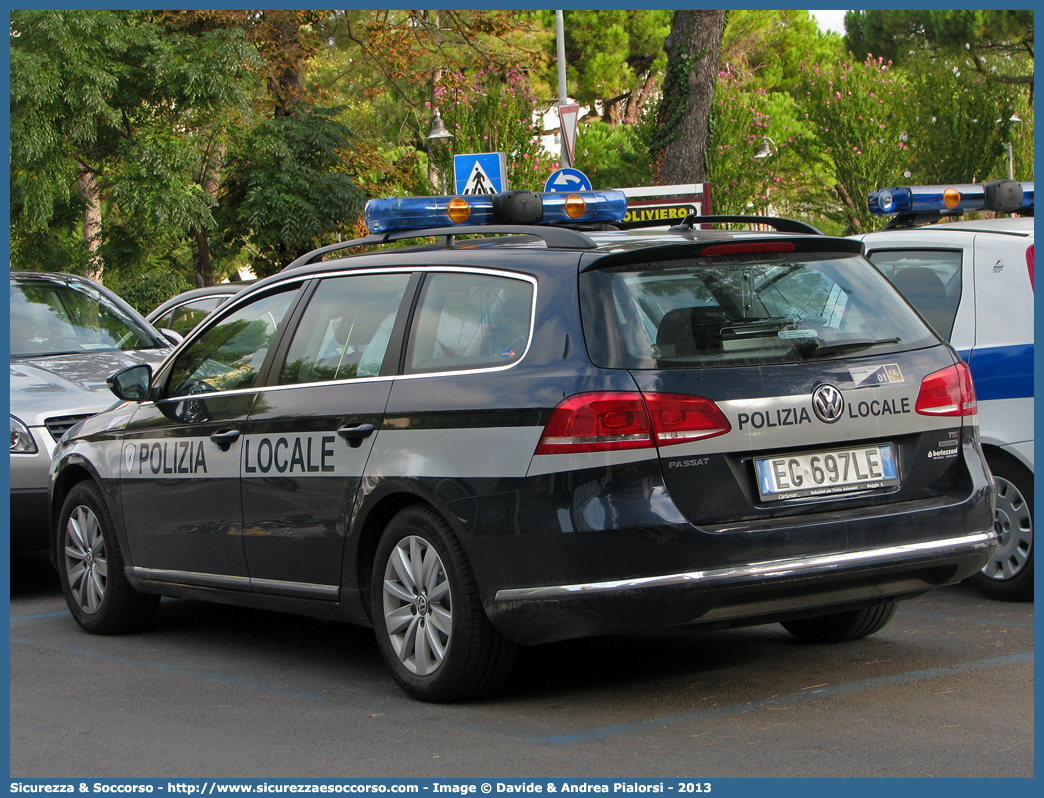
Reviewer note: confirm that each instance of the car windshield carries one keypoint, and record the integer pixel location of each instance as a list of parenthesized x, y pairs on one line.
[(729, 311), (56, 318)]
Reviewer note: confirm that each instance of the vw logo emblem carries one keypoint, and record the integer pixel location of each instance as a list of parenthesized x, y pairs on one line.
[(828, 403)]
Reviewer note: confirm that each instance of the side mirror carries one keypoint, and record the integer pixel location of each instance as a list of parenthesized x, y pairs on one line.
[(172, 336), (131, 384)]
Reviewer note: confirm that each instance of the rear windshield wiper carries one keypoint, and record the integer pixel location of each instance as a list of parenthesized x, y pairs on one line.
[(810, 347)]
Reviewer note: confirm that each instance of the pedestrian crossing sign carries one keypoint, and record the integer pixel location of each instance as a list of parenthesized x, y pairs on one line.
[(481, 173)]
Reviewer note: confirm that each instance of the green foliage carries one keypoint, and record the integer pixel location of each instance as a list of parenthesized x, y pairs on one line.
[(146, 289), (860, 112), (491, 111), (949, 105), (613, 157), (738, 123), (285, 193), (1003, 36), (770, 48), (154, 187), (128, 102), (613, 58)]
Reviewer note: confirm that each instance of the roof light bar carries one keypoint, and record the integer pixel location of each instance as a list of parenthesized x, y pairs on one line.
[(514, 207), (1002, 196)]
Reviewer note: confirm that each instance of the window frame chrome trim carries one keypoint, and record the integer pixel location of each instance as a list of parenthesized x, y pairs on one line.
[(512, 275)]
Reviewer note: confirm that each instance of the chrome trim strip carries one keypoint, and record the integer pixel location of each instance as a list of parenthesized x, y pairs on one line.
[(298, 589), (241, 583), (222, 581), (773, 569)]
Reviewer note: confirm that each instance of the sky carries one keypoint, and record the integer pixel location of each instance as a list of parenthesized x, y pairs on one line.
[(830, 20)]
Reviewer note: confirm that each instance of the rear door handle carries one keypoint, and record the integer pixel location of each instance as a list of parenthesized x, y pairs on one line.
[(356, 435), (225, 439)]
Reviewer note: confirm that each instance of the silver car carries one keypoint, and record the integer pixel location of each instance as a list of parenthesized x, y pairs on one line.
[(183, 312), (68, 335)]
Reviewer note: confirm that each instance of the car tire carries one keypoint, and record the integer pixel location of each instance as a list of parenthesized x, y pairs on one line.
[(431, 628), (90, 567), (842, 626), (1008, 575)]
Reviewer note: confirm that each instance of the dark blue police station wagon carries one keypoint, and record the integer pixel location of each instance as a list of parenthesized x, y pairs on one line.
[(557, 429)]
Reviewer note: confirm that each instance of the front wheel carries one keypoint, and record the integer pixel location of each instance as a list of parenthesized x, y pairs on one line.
[(842, 626), (90, 567), (1008, 575), (431, 629)]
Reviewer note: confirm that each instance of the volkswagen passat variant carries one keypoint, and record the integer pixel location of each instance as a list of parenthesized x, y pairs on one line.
[(552, 430)]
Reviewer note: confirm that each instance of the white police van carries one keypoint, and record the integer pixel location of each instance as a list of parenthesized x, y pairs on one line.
[(973, 282)]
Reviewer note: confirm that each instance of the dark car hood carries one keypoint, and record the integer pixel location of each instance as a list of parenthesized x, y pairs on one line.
[(42, 387)]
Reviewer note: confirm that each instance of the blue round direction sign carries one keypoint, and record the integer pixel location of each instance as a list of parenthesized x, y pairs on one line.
[(568, 179)]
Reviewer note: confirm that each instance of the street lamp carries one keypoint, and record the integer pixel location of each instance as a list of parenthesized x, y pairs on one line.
[(768, 147), (437, 130)]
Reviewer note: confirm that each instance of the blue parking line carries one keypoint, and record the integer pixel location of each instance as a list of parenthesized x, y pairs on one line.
[(21, 618), (604, 732)]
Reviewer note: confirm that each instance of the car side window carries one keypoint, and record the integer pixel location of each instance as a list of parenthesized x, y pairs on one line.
[(929, 279), (230, 354), (468, 321), (345, 330)]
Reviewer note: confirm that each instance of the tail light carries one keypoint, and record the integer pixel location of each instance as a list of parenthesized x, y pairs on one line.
[(1029, 263), (949, 392), (606, 422), (677, 418)]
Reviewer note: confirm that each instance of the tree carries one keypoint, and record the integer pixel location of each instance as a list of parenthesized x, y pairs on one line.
[(124, 116), (960, 121), (383, 67), (860, 113), (997, 43), (683, 118), (614, 157), (740, 121), (491, 111), (615, 59), (286, 191), (762, 57), (768, 48)]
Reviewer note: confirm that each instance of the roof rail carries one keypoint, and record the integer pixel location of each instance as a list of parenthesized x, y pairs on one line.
[(778, 223), (556, 237)]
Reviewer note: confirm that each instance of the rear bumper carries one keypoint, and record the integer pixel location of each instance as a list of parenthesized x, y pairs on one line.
[(762, 592)]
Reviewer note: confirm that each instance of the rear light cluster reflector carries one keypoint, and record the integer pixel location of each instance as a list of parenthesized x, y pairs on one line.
[(949, 392), (614, 421)]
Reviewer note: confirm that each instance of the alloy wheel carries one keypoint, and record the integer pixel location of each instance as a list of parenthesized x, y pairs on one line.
[(418, 606), (86, 563)]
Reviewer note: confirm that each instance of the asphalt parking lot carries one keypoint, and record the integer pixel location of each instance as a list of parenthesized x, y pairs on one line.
[(946, 690)]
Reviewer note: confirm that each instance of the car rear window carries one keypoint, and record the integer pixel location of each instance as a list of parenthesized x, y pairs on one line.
[(729, 310)]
